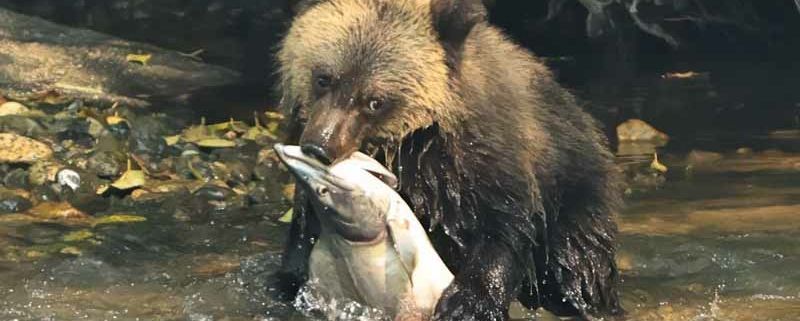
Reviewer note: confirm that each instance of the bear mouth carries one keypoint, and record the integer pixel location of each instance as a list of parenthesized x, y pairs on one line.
[(395, 154)]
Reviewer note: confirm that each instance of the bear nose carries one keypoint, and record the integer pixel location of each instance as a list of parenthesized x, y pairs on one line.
[(317, 152)]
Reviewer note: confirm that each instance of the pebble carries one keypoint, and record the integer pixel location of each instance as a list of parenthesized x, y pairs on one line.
[(13, 203), (17, 178), (12, 108), (21, 149), (105, 164)]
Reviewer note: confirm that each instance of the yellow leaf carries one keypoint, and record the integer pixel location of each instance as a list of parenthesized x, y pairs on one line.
[(231, 125), (216, 143), (256, 132), (172, 140), (130, 179), (114, 119), (102, 189), (118, 219), (78, 236), (196, 133), (142, 59), (71, 250), (273, 115), (287, 217), (656, 165), (288, 191)]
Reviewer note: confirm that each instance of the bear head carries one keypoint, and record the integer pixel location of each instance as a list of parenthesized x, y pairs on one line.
[(355, 72)]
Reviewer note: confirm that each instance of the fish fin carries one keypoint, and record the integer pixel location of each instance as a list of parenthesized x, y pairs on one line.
[(403, 243)]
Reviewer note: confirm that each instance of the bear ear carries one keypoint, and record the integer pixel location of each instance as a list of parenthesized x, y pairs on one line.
[(454, 19), (297, 7)]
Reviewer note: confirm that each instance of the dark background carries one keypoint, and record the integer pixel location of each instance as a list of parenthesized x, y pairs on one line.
[(745, 51)]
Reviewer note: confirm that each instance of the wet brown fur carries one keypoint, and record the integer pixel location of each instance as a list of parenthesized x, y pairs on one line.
[(487, 146)]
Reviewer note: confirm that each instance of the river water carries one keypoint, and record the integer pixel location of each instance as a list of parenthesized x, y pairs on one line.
[(715, 238), (719, 241)]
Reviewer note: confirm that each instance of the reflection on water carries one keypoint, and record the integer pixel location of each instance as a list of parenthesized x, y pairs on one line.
[(714, 241)]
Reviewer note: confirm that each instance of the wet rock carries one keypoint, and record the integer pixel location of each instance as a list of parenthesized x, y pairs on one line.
[(772, 152), (785, 134), (105, 164), (60, 210), (21, 125), (214, 265), (638, 130), (76, 131), (40, 55), (44, 194), (17, 178), (13, 108), (699, 158), (21, 149), (744, 151), (69, 178), (13, 203), (240, 173), (258, 195), (213, 193), (194, 167), (43, 172)]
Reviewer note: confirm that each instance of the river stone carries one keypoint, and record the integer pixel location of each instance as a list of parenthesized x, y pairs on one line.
[(12, 203), (105, 164), (701, 158), (21, 125), (640, 131), (21, 149), (38, 55), (12, 108)]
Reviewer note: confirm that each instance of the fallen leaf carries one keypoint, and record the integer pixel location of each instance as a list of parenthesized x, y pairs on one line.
[(71, 250), (102, 189), (274, 115), (139, 58), (231, 125), (118, 219), (216, 143), (130, 179), (288, 191), (78, 236), (115, 119), (172, 140), (287, 217), (656, 165)]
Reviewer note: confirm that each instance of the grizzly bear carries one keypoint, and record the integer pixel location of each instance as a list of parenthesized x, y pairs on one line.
[(513, 181)]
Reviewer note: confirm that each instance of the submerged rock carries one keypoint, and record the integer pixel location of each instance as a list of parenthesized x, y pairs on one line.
[(11, 202), (700, 158)]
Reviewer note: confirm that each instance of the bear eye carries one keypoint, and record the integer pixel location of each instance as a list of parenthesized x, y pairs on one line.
[(376, 104), (323, 82)]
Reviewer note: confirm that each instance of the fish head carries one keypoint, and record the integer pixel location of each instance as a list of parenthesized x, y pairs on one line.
[(353, 196)]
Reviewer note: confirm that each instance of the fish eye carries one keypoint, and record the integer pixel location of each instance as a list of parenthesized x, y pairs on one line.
[(322, 191)]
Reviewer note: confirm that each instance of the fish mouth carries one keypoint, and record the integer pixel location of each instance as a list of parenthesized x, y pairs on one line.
[(307, 169)]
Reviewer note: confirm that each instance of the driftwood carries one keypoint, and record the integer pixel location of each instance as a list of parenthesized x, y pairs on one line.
[(652, 16)]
